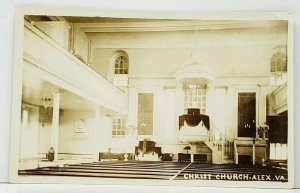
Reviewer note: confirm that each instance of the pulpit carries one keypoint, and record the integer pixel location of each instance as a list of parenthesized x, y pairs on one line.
[(193, 127), (193, 118)]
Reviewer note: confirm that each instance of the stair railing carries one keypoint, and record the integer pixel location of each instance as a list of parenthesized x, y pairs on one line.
[(223, 145)]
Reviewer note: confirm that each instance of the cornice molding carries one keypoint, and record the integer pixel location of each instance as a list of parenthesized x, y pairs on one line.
[(169, 45), (184, 25)]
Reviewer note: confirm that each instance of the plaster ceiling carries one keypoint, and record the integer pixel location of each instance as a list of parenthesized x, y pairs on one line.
[(109, 24), (35, 88)]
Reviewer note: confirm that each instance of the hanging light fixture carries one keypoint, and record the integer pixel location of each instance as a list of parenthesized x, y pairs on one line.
[(46, 101)]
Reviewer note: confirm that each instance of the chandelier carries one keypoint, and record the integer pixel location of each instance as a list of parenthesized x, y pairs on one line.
[(46, 101)]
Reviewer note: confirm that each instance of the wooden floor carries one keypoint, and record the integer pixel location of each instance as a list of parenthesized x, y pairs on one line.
[(163, 171)]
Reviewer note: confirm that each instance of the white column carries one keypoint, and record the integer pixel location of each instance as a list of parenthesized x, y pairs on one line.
[(158, 115), (262, 106), (253, 154), (95, 135), (192, 157), (169, 117), (55, 124), (210, 108), (179, 108), (231, 114), (23, 128), (179, 99), (132, 107)]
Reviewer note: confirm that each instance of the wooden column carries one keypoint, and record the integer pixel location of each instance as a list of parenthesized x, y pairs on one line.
[(95, 136), (55, 124)]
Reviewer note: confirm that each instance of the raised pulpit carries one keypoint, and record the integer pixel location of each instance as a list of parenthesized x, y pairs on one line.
[(193, 127), (193, 118)]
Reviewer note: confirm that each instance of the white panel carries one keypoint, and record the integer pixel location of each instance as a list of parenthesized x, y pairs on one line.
[(57, 30), (69, 141), (105, 133), (220, 111), (44, 137), (29, 133), (171, 128)]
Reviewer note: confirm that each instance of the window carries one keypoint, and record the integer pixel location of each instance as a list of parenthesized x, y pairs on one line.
[(121, 65), (145, 113), (119, 128), (195, 97), (278, 151), (279, 62)]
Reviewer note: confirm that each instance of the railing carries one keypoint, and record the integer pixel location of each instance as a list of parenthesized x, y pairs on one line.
[(262, 132), (224, 146)]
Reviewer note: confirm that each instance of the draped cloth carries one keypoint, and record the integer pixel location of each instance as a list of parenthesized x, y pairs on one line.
[(193, 118), (278, 129)]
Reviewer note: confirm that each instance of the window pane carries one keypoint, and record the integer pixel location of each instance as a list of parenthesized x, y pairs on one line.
[(145, 113), (195, 97), (284, 65), (273, 66), (121, 65), (119, 127), (279, 62)]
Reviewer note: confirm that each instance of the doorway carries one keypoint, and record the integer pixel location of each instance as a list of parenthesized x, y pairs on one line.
[(246, 114)]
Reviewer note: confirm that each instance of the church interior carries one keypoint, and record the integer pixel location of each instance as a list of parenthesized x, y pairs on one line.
[(152, 94)]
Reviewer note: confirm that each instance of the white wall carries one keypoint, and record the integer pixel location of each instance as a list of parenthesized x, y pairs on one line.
[(170, 126), (44, 137), (29, 132), (68, 143), (95, 139), (243, 51), (80, 44), (220, 110), (57, 30), (105, 133)]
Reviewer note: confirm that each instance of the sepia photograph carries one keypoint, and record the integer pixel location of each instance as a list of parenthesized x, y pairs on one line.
[(116, 98)]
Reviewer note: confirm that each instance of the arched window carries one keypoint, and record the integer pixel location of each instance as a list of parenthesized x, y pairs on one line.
[(278, 64), (121, 64), (279, 60)]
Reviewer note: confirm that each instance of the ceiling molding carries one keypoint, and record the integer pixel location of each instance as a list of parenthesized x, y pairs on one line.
[(188, 45), (57, 18), (184, 25)]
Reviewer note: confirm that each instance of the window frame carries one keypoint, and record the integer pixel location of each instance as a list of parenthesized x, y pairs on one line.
[(119, 127), (121, 64), (195, 97), (279, 63)]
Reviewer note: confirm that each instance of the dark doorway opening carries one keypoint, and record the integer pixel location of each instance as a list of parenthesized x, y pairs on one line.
[(246, 114), (245, 160)]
